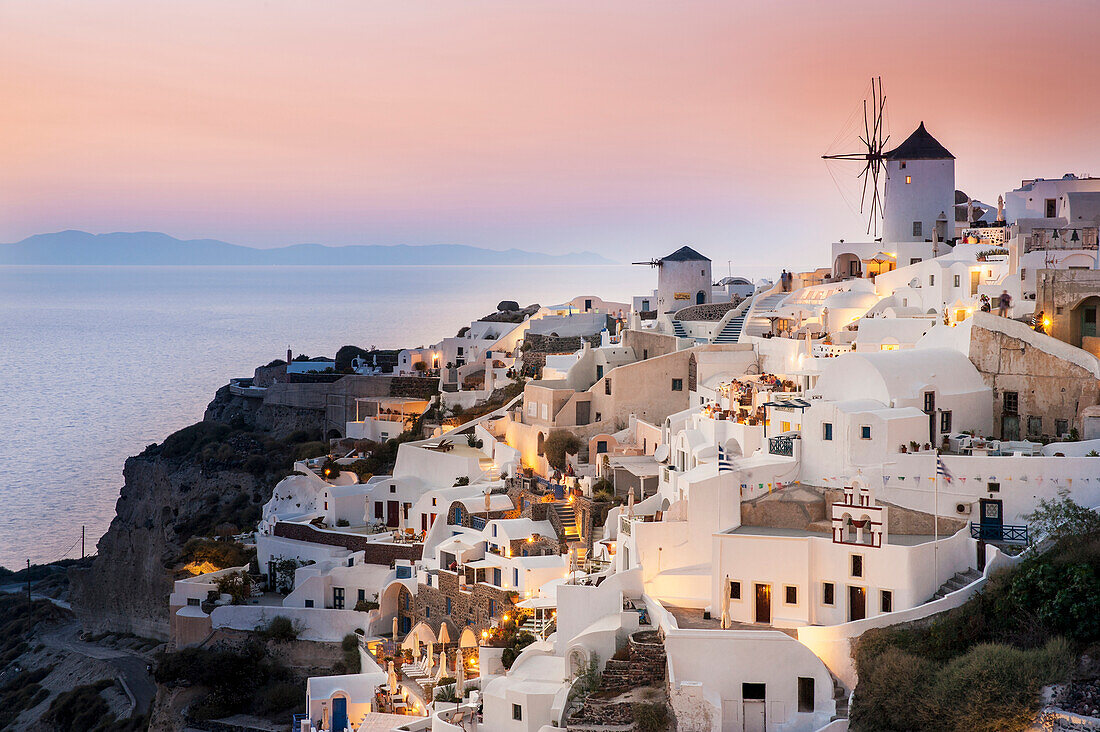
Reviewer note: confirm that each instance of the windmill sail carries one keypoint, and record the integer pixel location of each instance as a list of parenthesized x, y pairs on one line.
[(869, 154)]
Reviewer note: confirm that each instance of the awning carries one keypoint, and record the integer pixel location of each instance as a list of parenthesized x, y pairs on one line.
[(882, 257), (537, 603), (788, 404)]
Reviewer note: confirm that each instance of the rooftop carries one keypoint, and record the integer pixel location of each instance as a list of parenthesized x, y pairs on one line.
[(894, 539), (685, 254), (920, 146)]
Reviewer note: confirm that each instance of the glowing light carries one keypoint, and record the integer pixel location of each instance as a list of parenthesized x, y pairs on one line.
[(484, 634), (505, 618), (571, 497)]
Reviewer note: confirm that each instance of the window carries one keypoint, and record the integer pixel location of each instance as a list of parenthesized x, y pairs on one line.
[(492, 607), (1061, 427), (378, 510), (338, 598), (790, 595), (599, 371), (351, 561), (645, 305), (857, 565), (434, 501), (494, 529), (427, 611), (545, 410), (993, 487), (1011, 402), (517, 712), (945, 422), (957, 280), (865, 432), (805, 694), (901, 165), (598, 416), (405, 601), (515, 577), (908, 179), (931, 280), (1051, 207), (645, 353), (929, 402), (326, 505), (735, 590), (828, 593), (1034, 426), (607, 386), (447, 605), (918, 228), (393, 488), (362, 597), (677, 384), (309, 603), (914, 260), (193, 601), (532, 409), (753, 692), (826, 430), (601, 447), (887, 601)]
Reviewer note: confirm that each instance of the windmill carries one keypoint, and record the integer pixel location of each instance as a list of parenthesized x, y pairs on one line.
[(871, 153), (650, 263)]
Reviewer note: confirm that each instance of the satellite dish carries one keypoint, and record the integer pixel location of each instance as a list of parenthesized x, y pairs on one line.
[(661, 453)]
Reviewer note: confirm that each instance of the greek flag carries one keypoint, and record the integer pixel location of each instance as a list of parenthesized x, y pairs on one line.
[(725, 462), (942, 470)]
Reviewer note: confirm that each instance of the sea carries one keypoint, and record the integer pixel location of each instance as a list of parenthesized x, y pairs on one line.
[(96, 363)]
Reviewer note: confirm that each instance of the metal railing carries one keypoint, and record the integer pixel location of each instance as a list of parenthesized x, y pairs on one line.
[(477, 522), (1005, 533), (781, 445)]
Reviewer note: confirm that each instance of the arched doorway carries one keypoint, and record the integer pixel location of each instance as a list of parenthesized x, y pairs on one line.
[(700, 298), (846, 266), (1083, 320)]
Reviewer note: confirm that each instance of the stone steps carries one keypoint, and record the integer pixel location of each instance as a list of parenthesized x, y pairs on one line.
[(957, 582)]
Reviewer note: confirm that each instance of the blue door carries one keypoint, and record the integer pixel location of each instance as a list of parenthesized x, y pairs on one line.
[(496, 576), (339, 713)]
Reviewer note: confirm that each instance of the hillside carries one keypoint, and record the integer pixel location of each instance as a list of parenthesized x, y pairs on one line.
[(153, 248)]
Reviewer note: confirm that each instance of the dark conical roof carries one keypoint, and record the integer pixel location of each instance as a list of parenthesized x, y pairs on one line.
[(685, 254), (920, 146)]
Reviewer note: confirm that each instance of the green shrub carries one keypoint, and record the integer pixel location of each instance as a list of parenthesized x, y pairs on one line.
[(237, 585), (558, 444), (446, 692), (365, 606), (309, 450), (280, 629), (80, 709), (350, 646)]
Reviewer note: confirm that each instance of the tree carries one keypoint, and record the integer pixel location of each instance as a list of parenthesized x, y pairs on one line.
[(559, 444), (1062, 517)]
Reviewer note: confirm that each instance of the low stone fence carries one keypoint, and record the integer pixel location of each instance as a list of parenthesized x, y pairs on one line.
[(374, 552)]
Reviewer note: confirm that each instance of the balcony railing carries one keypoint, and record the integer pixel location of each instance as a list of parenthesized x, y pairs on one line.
[(781, 445), (1001, 533), (477, 522)]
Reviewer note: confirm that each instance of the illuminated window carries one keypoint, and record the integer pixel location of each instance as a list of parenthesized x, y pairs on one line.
[(888, 347), (908, 179)]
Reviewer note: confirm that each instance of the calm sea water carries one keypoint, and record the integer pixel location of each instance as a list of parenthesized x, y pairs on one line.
[(98, 362)]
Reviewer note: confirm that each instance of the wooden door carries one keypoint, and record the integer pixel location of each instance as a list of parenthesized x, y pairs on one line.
[(391, 513), (755, 716), (857, 603), (992, 519), (975, 276), (763, 603)]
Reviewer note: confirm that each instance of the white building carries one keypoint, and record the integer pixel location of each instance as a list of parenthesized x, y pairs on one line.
[(920, 187)]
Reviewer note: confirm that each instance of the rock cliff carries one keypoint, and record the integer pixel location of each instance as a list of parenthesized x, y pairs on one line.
[(216, 472)]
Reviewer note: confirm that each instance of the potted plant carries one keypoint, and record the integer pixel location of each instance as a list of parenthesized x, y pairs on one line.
[(902, 449), (913, 446)]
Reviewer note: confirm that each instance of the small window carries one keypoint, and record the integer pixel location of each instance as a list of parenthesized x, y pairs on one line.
[(1034, 426), (857, 565), (945, 422), (427, 611), (957, 280), (351, 561), (601, 447), (931, 280), (929, 402), (805, 694), (887, 601), (677, 384), (1061, 427), (918, 228), (434, 501), (378, 509), (448, 605), (309, 603), (753, 692), (645, 353), (993, 487), (901, 165), (828, 593), (826, 430), (193, 601), (908, 179), (790, 595), (393, 488), (1051, 207), (517, 712), (607, 386), (865, 432), (362, 597), (1011, 402), (326, 505), (735, 590), (914, 260)]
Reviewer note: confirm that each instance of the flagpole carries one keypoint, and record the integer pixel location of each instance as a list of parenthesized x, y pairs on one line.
[(936, 518)]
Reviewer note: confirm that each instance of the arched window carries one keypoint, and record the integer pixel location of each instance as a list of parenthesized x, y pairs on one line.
[(541, 444)]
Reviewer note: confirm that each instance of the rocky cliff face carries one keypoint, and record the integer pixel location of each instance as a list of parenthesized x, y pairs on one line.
[(219, 471)]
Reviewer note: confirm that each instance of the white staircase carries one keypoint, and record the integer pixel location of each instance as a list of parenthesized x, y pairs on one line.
[(731, 332), (756, 321)]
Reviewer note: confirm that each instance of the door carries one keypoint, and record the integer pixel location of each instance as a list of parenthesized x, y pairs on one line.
[(423, 522), (339, 713), (496, 577), (1088, 322), (992, 519), (584, 409), (338, 598), (700, 298), (587, 305), (391, 513), (763, 603), (1010, 427), (857, 603), (974, 278), (755, 716)]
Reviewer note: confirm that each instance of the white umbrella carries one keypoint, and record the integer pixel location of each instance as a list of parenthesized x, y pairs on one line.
[(486, 503), (630, 503), (431, 660), (400, 519), (442, 665), (392, 677), (460, 676), (444, 634), (395, 631), (726, 605)]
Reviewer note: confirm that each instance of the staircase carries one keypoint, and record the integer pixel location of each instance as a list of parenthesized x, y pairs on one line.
[(756, 324), (840, 696), (678, 329), (732, 330), (568, 521), (959, 581)]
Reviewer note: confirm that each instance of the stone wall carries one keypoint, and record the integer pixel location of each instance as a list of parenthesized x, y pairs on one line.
[(647, 344), (375, 552), (711, 312), (469, 607)]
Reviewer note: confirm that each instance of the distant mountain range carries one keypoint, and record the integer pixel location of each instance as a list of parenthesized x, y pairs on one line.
[(149, 247)]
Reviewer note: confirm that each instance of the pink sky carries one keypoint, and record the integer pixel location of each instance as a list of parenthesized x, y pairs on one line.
[(626, 127)]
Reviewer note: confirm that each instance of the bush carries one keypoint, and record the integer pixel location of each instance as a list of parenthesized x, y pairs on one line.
[(237, 585), (446, 692), (1062, 517), (79, 709), (280, 629), (650, 717), (350, 646), (241, 681), (365, 606), (559, 444), (309, 450)]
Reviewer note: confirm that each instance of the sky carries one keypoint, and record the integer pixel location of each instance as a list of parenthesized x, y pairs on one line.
[(626, 127)]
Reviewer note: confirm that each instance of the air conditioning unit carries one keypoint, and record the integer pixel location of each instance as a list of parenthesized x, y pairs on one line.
[(963, 509)]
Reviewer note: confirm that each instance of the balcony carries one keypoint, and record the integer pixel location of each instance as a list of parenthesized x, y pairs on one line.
[(1000, 533), (781, 445)]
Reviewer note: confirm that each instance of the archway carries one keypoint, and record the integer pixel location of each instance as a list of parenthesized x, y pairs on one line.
[(846, 266), (700, 298), (1083, 319), (333, 434), (541, 445)]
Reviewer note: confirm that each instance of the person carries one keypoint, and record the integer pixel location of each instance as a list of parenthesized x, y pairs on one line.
[(1040, 326), (986, 307), (1004, 302)]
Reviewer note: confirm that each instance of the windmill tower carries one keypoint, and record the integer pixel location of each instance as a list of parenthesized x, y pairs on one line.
[(683, 278), (920, 186)]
